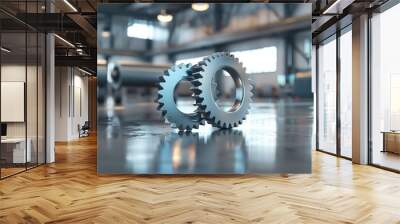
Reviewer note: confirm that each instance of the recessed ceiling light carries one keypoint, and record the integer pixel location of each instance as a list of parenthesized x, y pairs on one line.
[(70, 5), (164, 17), (5, 50), (200, 7), (106, 34), (84, 71), (65, 41)]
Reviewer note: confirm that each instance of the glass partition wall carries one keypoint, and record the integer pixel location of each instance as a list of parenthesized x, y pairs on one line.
[(327, 95), (22, 101), (385, 89), (334, 94), (345, 108)]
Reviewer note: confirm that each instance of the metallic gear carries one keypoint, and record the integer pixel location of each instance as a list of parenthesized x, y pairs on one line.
[(167, 102), (202, 76)]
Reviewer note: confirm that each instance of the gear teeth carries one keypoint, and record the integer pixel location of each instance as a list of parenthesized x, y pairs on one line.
[(197, 91), (197, 76), (195, 70), (253, 91), (190, 78), (230, 126), (235, 124), (164, 112), (160, 105), (240, 122), (199, 100), (203, 63), (161, 79), (159, 96), (196, 83)]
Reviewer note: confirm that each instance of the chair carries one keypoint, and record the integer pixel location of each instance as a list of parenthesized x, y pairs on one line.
[(84, 130)]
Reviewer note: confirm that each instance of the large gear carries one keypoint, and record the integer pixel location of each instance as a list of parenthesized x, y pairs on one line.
[(202, 76), (167, 102)]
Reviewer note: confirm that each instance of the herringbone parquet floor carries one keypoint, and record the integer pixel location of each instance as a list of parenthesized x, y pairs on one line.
[(70, 191)]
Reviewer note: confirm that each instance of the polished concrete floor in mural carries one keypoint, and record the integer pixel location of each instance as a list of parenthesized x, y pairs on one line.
[(71, 191), (275, 138)]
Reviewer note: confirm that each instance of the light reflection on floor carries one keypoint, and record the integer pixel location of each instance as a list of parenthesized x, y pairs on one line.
[(276, 138)]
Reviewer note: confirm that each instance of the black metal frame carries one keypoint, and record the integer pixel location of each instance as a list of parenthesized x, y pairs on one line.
[(44, 71)]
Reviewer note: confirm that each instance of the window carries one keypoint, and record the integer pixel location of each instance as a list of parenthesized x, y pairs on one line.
[(346, 94), (259, 60), (327, 96), (143, 30), (385, 89)]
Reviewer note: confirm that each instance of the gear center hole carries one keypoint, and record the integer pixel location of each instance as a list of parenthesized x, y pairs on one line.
[(183, 97), (227, 89)]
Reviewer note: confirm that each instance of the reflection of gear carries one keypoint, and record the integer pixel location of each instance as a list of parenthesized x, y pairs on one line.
[(202, 76), (167, 103), (230, 134)]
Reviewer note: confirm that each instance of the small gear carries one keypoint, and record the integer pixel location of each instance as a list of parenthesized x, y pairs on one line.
[(202, 75), (167, 102)]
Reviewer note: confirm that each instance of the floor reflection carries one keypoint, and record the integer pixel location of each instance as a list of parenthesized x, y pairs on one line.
[(276, 138), (224, 151)]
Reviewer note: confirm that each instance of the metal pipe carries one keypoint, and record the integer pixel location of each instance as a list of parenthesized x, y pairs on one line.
[(123, 75)]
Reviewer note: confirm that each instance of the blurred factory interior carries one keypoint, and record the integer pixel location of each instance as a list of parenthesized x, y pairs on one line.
[(272, 40), (138, 42)]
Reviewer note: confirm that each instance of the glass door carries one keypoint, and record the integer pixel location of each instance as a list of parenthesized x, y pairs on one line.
[(327, 95)]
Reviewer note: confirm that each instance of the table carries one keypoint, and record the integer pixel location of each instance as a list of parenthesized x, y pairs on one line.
[(391, 141)]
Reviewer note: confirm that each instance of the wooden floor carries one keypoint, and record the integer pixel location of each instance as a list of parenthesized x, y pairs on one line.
[(70, 191)]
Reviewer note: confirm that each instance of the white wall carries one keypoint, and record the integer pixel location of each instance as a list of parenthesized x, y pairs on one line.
[(70, 83), (17, 73)]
